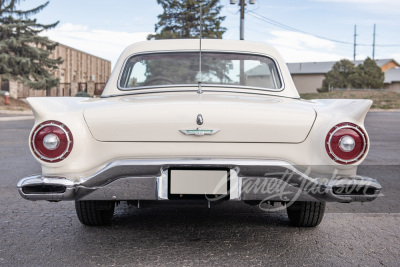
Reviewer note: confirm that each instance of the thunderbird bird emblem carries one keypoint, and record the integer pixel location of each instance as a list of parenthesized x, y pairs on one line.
[(199, 132), (199, 119)]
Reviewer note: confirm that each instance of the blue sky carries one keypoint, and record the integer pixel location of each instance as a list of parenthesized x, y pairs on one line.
[(105, 27)]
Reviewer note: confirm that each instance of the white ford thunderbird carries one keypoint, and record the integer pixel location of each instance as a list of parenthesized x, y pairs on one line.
[(184, 120)]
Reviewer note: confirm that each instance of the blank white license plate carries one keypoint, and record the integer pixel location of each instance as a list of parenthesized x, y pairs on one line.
[(196, 182)]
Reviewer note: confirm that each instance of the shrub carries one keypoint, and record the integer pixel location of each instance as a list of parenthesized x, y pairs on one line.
[(82, 94)]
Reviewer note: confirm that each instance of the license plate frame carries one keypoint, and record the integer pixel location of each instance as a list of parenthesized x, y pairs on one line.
[(172, 194)]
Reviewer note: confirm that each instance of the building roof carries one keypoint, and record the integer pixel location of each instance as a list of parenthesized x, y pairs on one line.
[(392, 75), (260, 70), (80, 51), (324, 67)]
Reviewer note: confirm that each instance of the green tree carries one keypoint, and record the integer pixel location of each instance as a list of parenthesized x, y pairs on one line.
[(339, 75), (345, 75), (181, 19), (368, 75), (358, 78), (25, 55)]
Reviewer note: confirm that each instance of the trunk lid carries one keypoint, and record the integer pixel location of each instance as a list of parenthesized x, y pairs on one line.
[(163, 118)]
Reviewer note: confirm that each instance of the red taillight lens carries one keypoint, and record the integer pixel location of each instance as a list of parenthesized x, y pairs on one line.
[(346, 143), (52, 141)]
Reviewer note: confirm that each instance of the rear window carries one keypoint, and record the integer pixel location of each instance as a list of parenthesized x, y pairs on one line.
[(225, 69)]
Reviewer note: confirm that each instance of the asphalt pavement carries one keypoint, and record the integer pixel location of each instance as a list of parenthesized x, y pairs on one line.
[(49, 234)]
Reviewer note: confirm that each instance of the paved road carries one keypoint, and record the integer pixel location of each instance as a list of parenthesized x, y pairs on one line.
[(43, 233)]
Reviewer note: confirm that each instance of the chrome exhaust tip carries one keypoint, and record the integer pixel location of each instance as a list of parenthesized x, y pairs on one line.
[(355, 191), (43, 189)]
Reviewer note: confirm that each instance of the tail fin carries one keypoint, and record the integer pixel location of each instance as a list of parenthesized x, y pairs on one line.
[(46, 108), (353, 110)]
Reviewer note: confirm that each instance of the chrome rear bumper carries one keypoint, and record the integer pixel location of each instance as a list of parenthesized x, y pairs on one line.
[(263, 180)]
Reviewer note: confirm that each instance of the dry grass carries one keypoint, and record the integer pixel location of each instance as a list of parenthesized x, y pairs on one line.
[(382, 99), (15, 104)]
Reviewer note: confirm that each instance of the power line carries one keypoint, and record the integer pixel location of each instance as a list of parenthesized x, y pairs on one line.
[(286, 27), (388, 45)]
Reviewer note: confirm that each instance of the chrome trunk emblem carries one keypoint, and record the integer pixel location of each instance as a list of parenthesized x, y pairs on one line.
[(199, 119), (199, 132)]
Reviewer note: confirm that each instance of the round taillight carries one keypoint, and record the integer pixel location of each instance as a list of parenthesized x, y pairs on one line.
[(52, 141), (346, 143)]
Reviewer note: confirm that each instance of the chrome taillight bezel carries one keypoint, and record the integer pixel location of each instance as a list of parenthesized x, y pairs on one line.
[(335, 129), (66, 132)]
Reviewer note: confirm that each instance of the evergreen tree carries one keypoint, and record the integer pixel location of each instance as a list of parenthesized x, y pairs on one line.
[(24, 55), (181, 19), (370, 75), (338, 76), (358, 79), (345, 75)]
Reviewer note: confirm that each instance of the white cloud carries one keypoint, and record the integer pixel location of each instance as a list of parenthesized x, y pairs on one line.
[(102, 43), (306, 55), (69, 27), (300, 47), (299, 40)]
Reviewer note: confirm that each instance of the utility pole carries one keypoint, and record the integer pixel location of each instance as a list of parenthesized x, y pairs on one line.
[(242, 4), (373, 44), (242, 19), (355, 42)]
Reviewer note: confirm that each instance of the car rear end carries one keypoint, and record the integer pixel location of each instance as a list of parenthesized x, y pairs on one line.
[(223, 139)]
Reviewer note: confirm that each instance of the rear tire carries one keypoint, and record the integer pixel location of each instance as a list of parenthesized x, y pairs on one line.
[(306, 214), (95, 213)]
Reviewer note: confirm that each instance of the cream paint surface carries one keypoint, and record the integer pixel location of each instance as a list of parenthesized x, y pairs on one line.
[(239, 118), (89, 155)]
